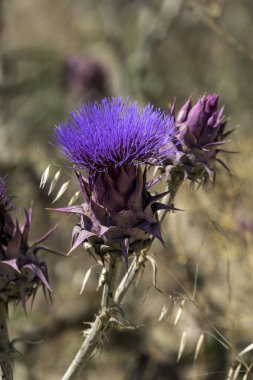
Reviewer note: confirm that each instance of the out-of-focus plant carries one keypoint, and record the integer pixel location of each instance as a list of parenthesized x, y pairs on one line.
[(85, 77), (21, 271), (111, 146)]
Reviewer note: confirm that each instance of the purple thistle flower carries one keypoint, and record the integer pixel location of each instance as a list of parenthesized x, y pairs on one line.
[(110, 140), (114, 133)]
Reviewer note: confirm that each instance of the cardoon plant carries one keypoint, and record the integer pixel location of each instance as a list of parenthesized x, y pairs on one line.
[(109, 144), (21, 271)]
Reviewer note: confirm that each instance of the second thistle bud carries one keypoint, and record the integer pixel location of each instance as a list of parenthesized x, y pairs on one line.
[(200, 133)]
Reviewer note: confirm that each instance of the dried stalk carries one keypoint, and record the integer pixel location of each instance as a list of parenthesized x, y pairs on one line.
[(6, 354)]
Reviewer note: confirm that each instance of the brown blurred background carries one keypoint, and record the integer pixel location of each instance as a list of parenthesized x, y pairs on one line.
[(53, 56)]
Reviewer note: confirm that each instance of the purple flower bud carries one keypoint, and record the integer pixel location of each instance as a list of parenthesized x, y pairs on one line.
[(200, 131), (110, 141)]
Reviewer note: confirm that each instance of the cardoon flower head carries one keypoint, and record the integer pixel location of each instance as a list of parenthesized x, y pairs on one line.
[(112, 134), (110, 140), (200, 132), (21, 272)]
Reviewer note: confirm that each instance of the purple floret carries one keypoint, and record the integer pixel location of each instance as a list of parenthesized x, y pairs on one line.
[(114, 133)]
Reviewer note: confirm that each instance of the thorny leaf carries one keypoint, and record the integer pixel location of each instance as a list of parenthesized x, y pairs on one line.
[(62, 190), (44, 177), (54, 181)]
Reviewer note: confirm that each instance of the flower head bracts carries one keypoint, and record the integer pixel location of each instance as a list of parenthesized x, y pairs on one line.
[(112, 134)]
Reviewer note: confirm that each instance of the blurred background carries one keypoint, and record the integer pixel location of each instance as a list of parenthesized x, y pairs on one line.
[(53, 56)]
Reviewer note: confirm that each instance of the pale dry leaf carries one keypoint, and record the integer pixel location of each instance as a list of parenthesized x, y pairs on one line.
[(85, 279), (44, 177), (74, 198), (62, 190), (163, 313), (102, 278), (198, 346), (54, 181), (181, 346), (154, 267), (237, 371), (230, 373), (246, 349), (179, 313)]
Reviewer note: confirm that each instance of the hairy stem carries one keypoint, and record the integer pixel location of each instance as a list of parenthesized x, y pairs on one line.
[(94, 336), (6, 368), (113, 272), (102, 321)]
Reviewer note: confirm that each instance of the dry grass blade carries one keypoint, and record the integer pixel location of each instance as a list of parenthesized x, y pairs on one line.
[(237, 371), (85, 279), (102, 278), (181, 346), (179, 313), (74, 198), (44, 177), (198, 346), (154, 266), (247, 349), (230, 374), (163, 313), (62, 190), (54, 181)]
